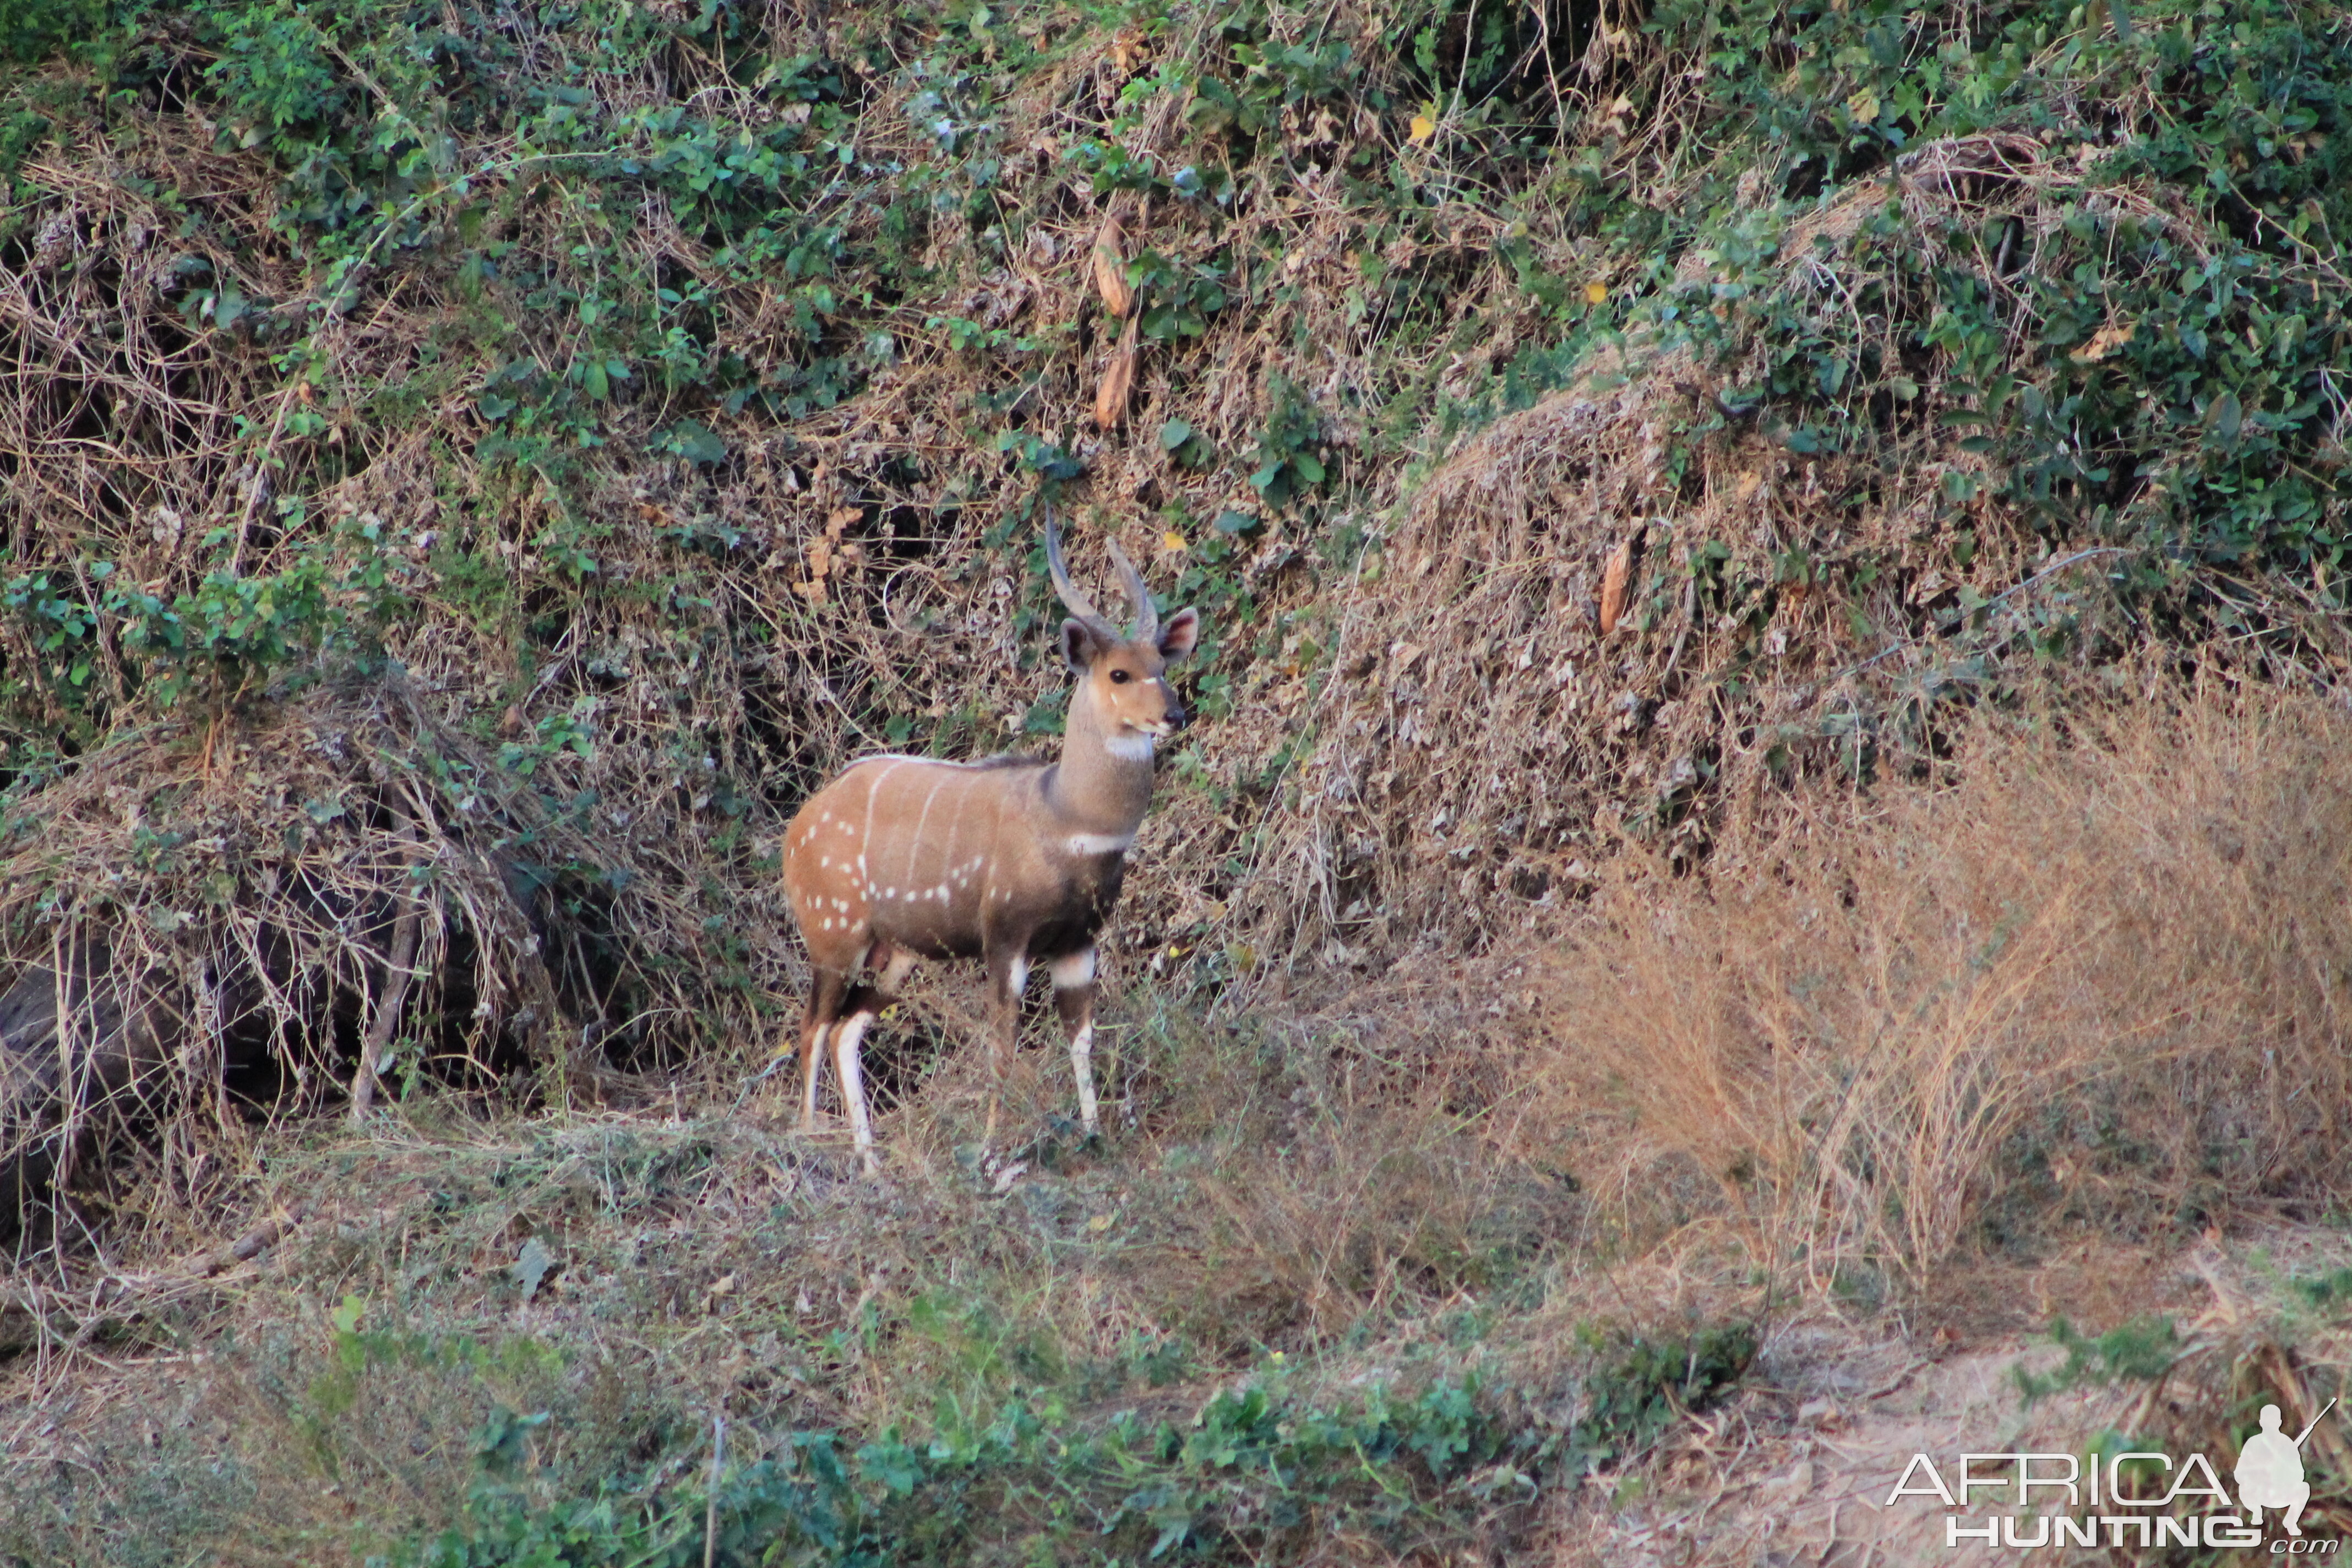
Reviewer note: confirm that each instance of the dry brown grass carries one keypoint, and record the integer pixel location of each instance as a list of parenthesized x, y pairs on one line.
[(2101, 978)]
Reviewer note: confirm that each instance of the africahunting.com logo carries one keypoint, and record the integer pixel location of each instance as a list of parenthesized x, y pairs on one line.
[(2126, 1499)]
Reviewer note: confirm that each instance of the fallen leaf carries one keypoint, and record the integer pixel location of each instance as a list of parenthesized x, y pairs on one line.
[(1422, 128), (1110, 268), (1596, 293), (1119, 379), (1614, 581), (1172, 542), (2103, 342)]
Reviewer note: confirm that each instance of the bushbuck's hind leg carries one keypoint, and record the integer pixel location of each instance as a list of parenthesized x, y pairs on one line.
[(1074, 995), (858, 1015), (846, 1041), (826, 989)]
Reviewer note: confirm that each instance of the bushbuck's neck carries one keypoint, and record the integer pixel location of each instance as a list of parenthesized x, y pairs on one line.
[(1103, 785)]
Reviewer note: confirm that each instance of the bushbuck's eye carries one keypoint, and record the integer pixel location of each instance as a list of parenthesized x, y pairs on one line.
[(1119, 677)]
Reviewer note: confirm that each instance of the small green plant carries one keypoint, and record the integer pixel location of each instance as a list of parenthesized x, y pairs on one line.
[(1649, 1385), (1186, 447), (2141, 1350), (2327, 1289), (1178, 299), (1288, 449)]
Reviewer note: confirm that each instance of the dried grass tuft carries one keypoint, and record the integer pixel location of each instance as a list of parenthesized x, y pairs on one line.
[(2101, 980)]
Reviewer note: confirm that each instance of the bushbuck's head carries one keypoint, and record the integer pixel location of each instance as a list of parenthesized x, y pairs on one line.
[(1122, 680)]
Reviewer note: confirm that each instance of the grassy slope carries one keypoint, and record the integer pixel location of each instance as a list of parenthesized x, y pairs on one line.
[(666, 393)]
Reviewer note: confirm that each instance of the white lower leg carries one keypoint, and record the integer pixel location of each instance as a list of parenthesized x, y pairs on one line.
[(1076, 972), (1082, 1044), (852, 1084), (809, 1076)]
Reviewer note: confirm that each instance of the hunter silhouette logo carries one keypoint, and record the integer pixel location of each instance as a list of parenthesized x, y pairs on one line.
[(2270, 1470)]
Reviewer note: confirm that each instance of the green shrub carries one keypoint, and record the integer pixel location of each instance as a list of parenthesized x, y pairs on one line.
[(1255, 1470)]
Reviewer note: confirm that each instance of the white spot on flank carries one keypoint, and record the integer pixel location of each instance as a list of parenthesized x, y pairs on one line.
[(941, 892)]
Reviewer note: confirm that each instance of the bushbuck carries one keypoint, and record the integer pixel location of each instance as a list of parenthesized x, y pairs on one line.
[(1012, 860)]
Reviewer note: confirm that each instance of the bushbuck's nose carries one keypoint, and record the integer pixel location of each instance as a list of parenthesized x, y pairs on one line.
[(1175, 715)]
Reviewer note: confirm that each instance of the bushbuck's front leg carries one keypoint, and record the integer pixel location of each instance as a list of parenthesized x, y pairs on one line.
[(1008, 972), (1074, 994)]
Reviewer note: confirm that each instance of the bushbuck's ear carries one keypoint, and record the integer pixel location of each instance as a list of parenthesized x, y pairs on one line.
[(1181, 633), (1083, 643)]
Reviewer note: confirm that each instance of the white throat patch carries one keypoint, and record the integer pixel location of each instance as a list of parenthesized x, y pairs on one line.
[(1135, 748), (1097, 843)]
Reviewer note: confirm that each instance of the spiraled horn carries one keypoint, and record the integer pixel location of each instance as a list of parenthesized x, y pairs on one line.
[(1077, 603), (1147, 619)]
